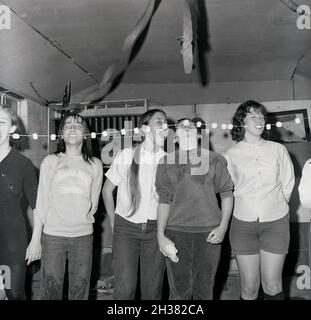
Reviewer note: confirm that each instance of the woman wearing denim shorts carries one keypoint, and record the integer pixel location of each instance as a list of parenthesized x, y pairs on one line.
[(263, 177)]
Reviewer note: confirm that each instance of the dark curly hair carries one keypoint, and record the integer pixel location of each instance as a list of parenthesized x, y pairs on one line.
[(238, 131)]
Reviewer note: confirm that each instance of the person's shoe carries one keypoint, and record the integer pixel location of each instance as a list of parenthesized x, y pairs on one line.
[(105, 286)]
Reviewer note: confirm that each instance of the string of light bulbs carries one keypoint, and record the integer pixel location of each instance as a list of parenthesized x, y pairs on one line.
[(165, 126)]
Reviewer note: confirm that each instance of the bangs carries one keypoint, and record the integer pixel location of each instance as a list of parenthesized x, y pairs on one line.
[(146, 117), (74, 117), (257, 107)]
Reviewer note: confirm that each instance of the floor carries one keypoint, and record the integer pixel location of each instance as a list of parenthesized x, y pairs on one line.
[(226, 287), (229, 290)]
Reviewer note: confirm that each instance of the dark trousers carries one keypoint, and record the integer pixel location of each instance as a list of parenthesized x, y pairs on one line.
[(193, 276), (134, 244), (16, 288), (55, 251)]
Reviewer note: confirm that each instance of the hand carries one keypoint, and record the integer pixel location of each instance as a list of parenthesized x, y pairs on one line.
[(164, 242), (33, 251), (217, 235)]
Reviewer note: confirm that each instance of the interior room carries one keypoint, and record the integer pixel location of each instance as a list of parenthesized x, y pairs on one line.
[(113, 60)]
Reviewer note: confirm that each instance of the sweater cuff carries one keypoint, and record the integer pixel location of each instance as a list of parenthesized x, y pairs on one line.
[(165, 200), (226, 194)]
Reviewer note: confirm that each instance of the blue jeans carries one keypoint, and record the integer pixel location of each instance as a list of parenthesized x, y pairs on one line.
[(193, 276), (55, 251), (134, 244)]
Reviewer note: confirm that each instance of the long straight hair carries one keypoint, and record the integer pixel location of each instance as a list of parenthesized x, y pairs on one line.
[(134, 168), (86, 145)]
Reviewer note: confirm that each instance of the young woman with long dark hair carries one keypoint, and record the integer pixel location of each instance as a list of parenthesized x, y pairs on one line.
[(69, 188), (134, 219)]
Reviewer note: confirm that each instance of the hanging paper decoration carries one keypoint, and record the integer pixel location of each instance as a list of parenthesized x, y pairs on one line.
[(194, 44), (131, 47), (66, 99), (187, 38), (200, 38)]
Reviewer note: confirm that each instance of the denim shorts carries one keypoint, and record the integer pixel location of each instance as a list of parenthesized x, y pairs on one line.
[(248, 238)]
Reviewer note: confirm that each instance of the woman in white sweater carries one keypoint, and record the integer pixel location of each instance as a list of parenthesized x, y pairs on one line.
[(69, 188)]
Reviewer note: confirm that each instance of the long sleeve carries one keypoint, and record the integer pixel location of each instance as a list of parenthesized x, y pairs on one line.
[(42, 204), (163, 186), (223, 182), (287, 174), (305, 185), (229, 165), (96, 185)]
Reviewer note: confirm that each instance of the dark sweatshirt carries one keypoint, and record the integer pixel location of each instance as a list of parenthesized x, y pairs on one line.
[(192, 198)]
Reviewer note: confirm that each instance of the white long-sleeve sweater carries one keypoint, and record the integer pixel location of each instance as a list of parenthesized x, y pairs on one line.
[(68, 193)]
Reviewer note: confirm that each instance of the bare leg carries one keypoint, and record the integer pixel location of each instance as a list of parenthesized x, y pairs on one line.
[(271, 266), (249, 267)]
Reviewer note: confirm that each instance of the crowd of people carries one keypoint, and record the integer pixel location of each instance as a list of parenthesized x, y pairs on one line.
[(172, 211)]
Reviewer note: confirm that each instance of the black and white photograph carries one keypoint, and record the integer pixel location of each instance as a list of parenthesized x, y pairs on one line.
[(156, 152)]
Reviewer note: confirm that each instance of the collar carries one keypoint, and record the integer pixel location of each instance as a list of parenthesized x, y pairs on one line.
[(247, 145)]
